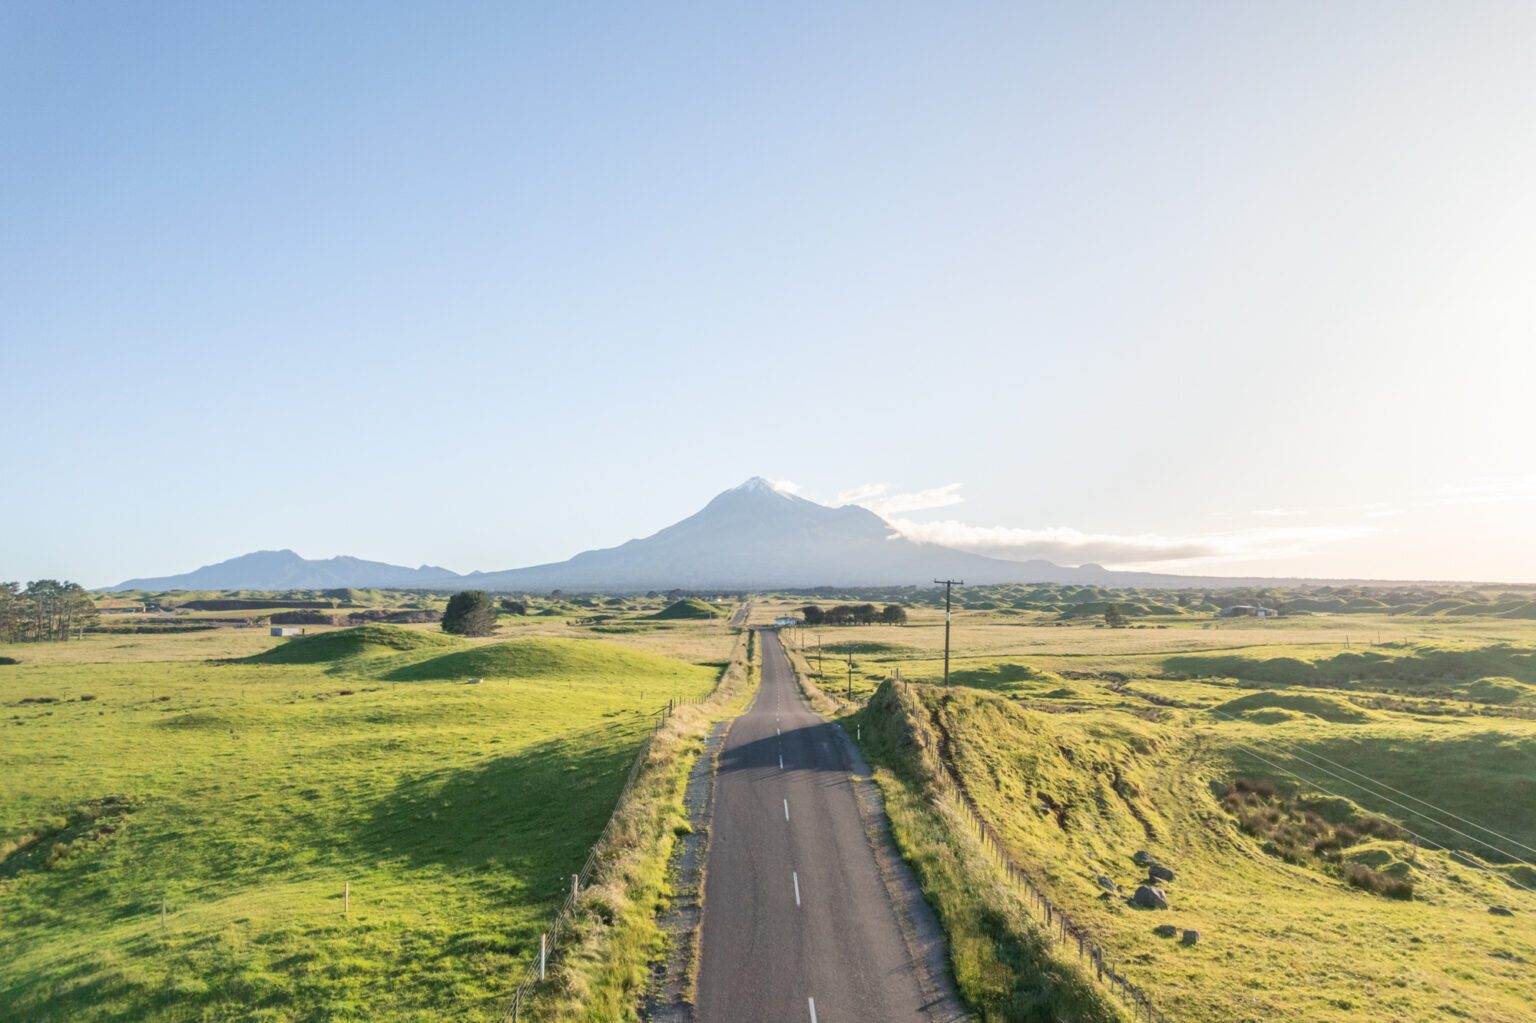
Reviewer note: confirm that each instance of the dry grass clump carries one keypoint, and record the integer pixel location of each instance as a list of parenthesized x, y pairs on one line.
[(1299, 834)]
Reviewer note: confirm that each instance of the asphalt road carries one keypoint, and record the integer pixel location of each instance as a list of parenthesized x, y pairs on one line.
[(798, 924)]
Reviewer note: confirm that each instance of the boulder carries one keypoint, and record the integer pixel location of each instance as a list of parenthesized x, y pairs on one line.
[(1107, 884), (1141, 858), (1501, 911), (1165, 930), (1189, 938), (1158, 872), (1148, 897)]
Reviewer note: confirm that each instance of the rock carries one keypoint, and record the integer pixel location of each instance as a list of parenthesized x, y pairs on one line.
[(1189, 938), (1106, 884), (1148, 897), (1501, 911), (1142, 858), (1165, 930), (1158, 872)]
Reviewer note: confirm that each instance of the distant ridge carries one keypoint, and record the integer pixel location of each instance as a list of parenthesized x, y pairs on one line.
[(286, 570)]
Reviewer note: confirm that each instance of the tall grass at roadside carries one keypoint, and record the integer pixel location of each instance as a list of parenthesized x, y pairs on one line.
[(616, 932)]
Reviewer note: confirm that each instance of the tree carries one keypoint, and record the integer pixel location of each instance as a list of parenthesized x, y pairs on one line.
[(77, 611), (469, 613), (514, 607), (894, 614), (812, 614), (1113, 617), (12, 613)]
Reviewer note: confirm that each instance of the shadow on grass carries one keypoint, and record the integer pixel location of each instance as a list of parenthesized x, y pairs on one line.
[(528, 818)]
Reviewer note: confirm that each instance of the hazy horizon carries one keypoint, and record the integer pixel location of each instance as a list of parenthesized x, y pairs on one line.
[(1180, 288)]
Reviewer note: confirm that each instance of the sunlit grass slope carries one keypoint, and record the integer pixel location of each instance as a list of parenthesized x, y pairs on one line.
[(245, 786), (1078, 790)]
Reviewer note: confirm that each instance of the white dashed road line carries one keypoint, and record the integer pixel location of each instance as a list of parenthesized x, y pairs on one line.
[(796, 876)]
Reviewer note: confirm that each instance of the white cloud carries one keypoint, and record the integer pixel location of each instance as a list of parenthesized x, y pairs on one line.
[(877, 497), (1135, 550), (1485, 490), (1067, 545), (861, 493), (785, 486)]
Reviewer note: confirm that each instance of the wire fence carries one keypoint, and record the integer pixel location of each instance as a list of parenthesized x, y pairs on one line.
[(1058, 922), (549, 940)]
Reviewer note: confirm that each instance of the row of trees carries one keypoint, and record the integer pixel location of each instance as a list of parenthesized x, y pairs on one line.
[(45, 609), (854, 614)]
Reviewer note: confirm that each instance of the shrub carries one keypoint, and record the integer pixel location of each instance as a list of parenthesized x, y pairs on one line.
[(1374, 881), (469, 613)]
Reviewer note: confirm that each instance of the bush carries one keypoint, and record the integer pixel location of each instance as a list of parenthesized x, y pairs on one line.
[(1374, 881), (469, 613)]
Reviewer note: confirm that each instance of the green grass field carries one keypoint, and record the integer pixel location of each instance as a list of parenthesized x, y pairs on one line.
[(1084, 745), (244, 783)]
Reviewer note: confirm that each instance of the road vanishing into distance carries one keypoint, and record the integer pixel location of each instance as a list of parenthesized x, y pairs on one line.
[(798, 922)]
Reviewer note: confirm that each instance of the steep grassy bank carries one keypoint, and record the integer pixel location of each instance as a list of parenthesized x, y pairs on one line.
[(1285, 928), (1006, 967), (245, 792)]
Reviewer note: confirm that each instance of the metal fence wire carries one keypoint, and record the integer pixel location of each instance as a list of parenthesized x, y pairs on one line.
[(549, 941), (1058, 922), (535, 972)]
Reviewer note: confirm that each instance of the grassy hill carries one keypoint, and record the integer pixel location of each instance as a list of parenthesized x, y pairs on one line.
[(689, 608), (1285, 932), (245, 792)]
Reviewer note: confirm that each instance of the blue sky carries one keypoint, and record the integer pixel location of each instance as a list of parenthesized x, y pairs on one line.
[(1218, 288)]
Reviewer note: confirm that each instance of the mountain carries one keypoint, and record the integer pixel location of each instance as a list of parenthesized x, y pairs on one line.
[(286, 570), (752, 537), (756, 537)]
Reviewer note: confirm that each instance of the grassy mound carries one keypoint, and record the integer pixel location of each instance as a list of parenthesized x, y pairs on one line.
[(542, 657), (868, 648), (1003, 676), (1408, 666), (345, 643), (1500, 691), (1314, 705), (691, 608)]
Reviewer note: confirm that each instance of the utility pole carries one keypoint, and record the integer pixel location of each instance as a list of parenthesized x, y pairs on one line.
[(948, 584)]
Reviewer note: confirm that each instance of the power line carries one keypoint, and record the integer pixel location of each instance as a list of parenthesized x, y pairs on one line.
[(1418, 813), (1428, 841), (1406, 795)]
